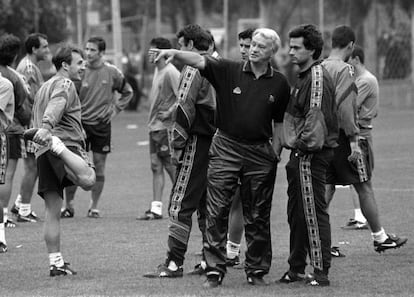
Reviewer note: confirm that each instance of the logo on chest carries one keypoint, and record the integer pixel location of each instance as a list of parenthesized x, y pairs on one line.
[(237, 91)]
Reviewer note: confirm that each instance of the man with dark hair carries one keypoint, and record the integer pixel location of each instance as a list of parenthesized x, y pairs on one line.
[(6, 118), (350, 165), (9, 48), (99, 106), (61, 157), (37, 49), (310, 132), (191, 135), (245, 39), (251, 96), (163, 97)]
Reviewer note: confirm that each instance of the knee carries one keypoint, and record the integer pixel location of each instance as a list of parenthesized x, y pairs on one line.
[(87, 182)]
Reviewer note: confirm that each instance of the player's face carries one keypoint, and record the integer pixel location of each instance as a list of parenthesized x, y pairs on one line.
[(299, 54), (244, 46), (92, 52), (43, 51), (76, 67), (260, 49)]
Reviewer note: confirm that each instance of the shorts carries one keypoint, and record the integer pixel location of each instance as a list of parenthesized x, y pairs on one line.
[(98, 137), (343, 172), (52, 173), (17, 146), (3, 157), (158, 143)]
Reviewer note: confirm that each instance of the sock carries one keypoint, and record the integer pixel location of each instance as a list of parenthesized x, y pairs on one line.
[(56, 259), (156, 207), (5, 214), (25, 209), (56, 145), (172, 266), (2, 234), (379, 236), (232, 249), (18, 201), (358, 216)]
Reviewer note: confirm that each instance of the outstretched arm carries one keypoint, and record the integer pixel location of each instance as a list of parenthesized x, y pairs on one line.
[(192, 59)]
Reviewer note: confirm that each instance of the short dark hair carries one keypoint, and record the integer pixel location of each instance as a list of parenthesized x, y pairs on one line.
[(99, 41), (342, 36), (198, 35), (312, 38), (33, 41), (161, 43), (248, 33), (9, 48), (64, 54), (358, 52)]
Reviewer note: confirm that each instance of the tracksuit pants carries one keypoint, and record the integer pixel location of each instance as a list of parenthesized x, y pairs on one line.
[(255, 166)]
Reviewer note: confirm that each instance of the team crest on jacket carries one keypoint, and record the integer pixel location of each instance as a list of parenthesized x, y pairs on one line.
[(271, 99), (237, 91)]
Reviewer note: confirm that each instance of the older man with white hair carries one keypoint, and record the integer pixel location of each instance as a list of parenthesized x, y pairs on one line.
[(251, 96)]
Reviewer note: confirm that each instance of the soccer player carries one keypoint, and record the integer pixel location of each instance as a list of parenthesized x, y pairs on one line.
[(241, 150), (37, 49), (99, 106), (311, 130), (6, 118), (163, 97), (351, 164), (191, 135), (61, 159), (9, 48)]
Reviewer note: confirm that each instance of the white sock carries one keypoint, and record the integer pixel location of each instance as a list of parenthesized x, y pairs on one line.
[(5, 214), (232, 249), (25, 209), (156, 207), (56, 259), (18, 201), (379, 236), (57, 146), (172, 266), (2, 233), (358, 216)]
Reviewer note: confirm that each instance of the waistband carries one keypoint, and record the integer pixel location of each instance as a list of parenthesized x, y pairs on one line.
[(241, 140)]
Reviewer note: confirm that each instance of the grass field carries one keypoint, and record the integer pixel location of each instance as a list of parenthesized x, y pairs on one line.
[(112, 253)]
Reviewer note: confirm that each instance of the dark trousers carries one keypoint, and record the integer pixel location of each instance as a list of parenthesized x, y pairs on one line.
[(255, 165), (310, 230), (188, 195)]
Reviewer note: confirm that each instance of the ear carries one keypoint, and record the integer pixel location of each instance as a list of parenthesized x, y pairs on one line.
[(190, 44)]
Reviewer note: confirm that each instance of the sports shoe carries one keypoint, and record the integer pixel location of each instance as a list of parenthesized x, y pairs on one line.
[(256, 280), (291, 277), (10, 224), (392, 242), (198, 270), (214, 279), (64, 270), (3, 247), (14, 209), (317, 279), (232, 262), (30, 218), (353, 224), (149, 215), (93, 213), (335, 252), (67, 213), (164, 272)]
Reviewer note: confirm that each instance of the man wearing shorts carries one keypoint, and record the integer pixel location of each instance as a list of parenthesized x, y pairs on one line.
[(6, 118), (61, 160), (163, 97), (350, 165), (100, 105)]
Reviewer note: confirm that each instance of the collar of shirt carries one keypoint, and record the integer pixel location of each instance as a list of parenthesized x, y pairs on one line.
[(248, 68), (304, 73)]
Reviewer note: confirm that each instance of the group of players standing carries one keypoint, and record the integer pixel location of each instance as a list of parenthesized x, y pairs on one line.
[(223, 133)]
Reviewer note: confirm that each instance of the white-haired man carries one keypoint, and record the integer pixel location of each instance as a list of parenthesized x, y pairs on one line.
[(251, 96)]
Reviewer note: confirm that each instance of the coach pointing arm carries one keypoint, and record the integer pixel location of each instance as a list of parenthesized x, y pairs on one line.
[(192, 59)]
